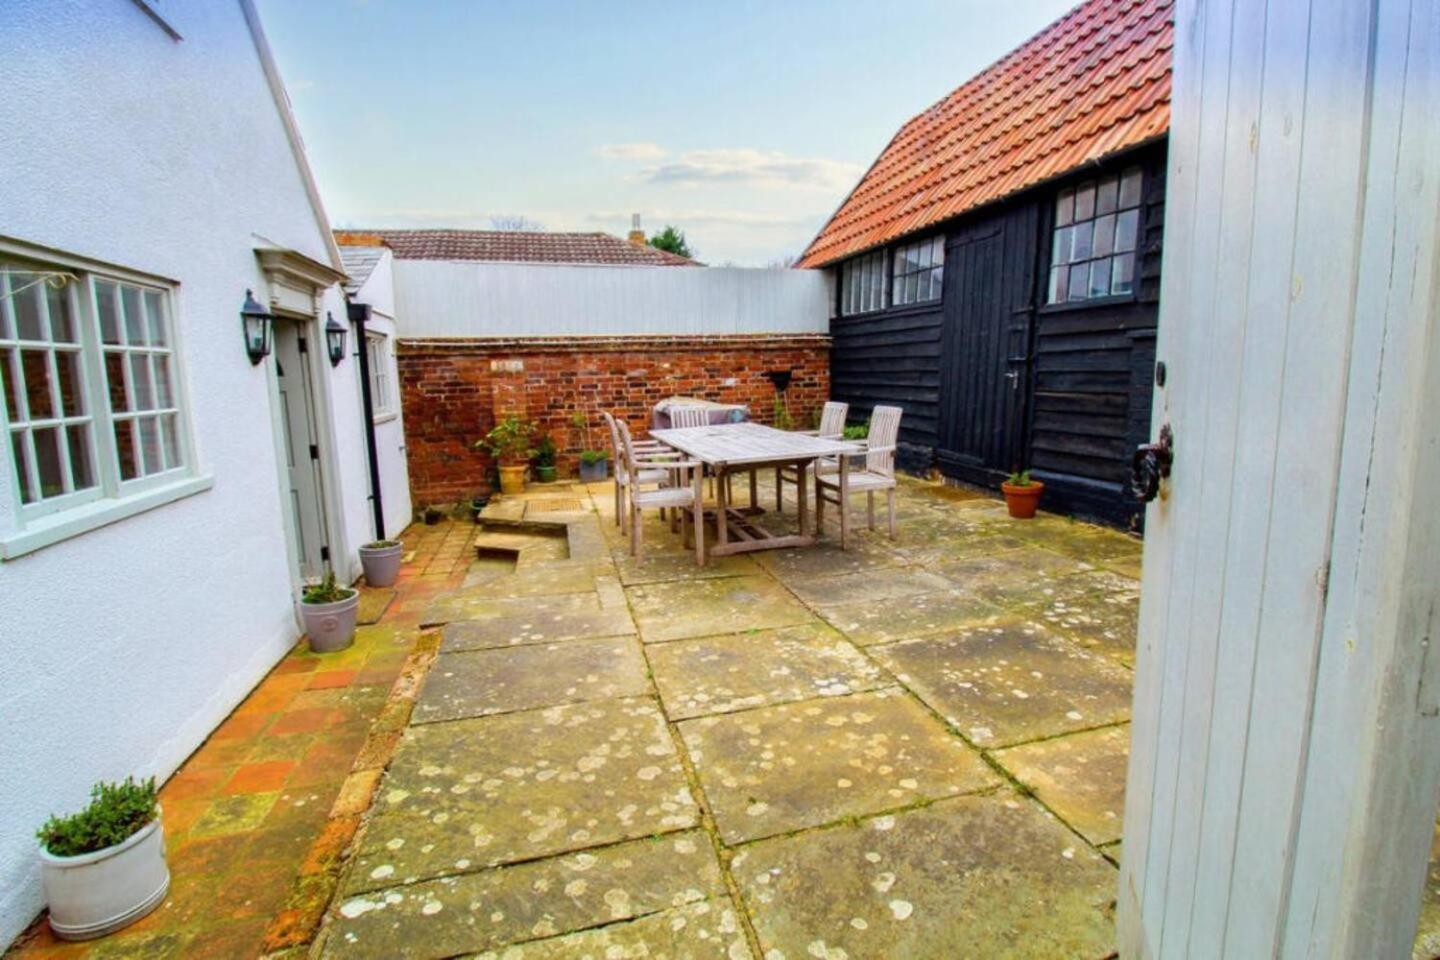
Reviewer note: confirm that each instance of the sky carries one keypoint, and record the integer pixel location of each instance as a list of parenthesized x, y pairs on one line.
[(744, 124)]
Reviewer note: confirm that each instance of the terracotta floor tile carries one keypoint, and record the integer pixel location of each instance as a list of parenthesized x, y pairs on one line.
[(302, 721), (262, 777), (243, 725)]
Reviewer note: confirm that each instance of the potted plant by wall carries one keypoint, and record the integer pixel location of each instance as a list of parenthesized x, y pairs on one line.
[(381, 560), (545, 459), (509, 443), (594, 464), (1022, 494), (329, 611), (104, 867)]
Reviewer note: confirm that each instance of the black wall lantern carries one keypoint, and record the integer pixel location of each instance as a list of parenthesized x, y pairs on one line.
[(334, 338), (255, 322)]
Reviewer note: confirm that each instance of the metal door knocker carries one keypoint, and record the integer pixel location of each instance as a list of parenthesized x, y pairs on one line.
[(1151, 464)]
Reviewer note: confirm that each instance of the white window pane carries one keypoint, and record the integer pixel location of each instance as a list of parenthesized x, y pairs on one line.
[(20, 450), (1123, 274), (164, 382), (107, 303), (62, 320), (1064, 207), (134, 315), (155, 318), (82, 456), (1079, 281), (865, 283), (939, 254), (1084, 202), (1059, 284), (25, 300), (150, 445), (912, 287), (1104, 241), (125, 449), (937, 282), (1060, 249), (142, 387), (35, 375), (170, 440), (10, 382), (1126, 227), (70, 378), (1105, 195), (49, 460), (1130, 188)]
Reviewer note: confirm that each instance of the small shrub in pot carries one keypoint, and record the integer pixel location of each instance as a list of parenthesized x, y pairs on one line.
[(594, 464), (509, 443), (329, 611), (545, 452), (104, 867), (381, 560), (1022, 494)]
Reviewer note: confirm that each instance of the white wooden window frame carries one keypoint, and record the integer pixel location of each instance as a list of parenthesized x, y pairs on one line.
[(864, 284), (382, 383), (50, 520)]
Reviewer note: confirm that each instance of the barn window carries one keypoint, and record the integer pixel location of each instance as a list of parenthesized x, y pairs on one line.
[(918, 271), (862, 284), (1097, 225)]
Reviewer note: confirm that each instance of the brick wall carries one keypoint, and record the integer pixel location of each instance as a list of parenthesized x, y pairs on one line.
[(452, 391)]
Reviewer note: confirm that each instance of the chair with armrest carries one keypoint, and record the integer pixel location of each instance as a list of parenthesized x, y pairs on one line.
[(879, 473)]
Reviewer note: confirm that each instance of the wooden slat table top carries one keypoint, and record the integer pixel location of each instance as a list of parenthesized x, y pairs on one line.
[(742, 443)]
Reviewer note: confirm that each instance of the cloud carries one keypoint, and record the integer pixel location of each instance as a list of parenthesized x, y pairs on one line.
[(757, 168), (631, 151), (682, 218)]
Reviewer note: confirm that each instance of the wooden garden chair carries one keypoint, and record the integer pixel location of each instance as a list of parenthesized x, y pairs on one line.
[(832, 427), (879, 473), (682, 495), (624, 480)]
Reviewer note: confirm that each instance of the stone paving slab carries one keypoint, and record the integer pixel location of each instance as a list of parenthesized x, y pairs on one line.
[(539, 625), (544, 579), (990, 877), (1014, 578), (528, 901), (1081, 777), (657, 567), (827, 559), (866, 587), (782, 768), (478, 603), (700, 608), (697, 931), (926, 613), (726, 674), (520, 786), (482, 682), (1105, 622), (1010, 682)]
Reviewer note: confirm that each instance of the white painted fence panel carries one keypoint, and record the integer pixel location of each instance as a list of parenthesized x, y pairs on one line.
[(443, 298), (1285, 754)]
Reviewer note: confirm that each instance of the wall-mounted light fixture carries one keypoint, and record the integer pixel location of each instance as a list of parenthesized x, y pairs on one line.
[(334, 338), (255, 322)]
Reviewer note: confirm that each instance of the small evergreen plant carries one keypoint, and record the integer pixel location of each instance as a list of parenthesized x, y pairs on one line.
[(1020, 478), (117, 811), (326, 591)]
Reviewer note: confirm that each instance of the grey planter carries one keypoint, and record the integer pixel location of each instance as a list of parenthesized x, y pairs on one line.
[(382, 564), (98, 893), (594, 472), (331, 626)]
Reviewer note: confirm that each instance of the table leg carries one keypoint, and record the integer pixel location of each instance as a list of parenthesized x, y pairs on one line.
[(722, 503), (800, 496), (754, 498), (844, 503)]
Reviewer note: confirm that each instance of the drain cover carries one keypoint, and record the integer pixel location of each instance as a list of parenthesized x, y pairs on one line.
[(553, 506)]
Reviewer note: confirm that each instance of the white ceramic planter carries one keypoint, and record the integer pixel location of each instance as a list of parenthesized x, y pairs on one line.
[(101, 892), (331, 626), (382, 564)]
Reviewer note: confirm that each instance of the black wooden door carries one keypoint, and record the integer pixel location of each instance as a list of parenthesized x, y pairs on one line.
[(985, 348)]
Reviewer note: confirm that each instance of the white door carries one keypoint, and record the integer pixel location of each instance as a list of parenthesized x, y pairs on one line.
[(302, 449), (1285, 752)]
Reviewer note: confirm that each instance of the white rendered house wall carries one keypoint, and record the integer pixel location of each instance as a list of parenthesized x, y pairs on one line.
[(123, 647)]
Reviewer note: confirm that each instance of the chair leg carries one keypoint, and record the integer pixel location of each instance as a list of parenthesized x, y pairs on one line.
[(637, 534), (698, 525), (870, 506), (890, 509), (619, 517), (819, 506)]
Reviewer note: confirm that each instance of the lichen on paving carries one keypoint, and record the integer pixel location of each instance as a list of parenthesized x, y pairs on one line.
[(501, 789), (700, 608), (697, 931)]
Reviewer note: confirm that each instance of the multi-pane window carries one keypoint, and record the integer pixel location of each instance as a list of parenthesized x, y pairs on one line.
[(382, 391), (88, 370), (918, 270), (862, 284), (42, 372), (1097, 224), (139, 378)]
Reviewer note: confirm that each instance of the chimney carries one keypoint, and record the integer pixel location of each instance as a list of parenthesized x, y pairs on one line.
[(637, 236)]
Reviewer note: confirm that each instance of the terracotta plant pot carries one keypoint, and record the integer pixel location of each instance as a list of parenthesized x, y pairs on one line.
[(331, 626), (382, 564), (512, 480), (1022, 501), (93, 894)]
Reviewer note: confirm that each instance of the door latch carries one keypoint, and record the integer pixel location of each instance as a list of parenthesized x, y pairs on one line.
[(1151, 464)]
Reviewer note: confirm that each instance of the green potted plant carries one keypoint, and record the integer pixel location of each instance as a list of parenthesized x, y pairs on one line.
[(594, 464), (104, 867), (545, 459), (381, 560), (329, 611), (1022, 494), (509, 443)]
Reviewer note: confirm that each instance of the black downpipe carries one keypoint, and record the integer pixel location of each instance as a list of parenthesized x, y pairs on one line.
[(359, 313)]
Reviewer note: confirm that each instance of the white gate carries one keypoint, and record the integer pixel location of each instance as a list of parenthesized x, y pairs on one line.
[(1285, 757)]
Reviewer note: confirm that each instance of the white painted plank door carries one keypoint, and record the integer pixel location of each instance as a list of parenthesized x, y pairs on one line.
[(1285, 752)]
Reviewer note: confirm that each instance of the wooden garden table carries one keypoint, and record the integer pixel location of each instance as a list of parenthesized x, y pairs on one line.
[(746, 447)]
